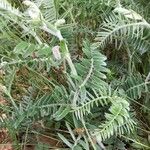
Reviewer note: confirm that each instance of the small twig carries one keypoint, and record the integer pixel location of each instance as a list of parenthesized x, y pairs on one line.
[(144, 83), (147, 78), (138, 103), (88, 134), (143, 145), (26, 136), (83, 84), (88, 75)]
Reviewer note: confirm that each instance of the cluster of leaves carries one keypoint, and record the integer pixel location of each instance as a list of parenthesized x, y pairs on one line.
[(55, 84)]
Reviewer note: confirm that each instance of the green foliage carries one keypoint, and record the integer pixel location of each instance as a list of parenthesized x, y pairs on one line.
[(92, 67), (135, 86), (76, 101), (118, 29), (118, 120)]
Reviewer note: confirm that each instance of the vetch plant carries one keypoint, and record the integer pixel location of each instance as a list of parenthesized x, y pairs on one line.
[(79, 82)]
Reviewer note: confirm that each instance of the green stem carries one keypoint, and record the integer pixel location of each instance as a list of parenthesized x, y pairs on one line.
[(133, 140), (130, 60), (12, 101), (71, 65), (88, 134), (67, 56)]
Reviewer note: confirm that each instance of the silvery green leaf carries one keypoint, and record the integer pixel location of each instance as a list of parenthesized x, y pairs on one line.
[(128, 13)]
